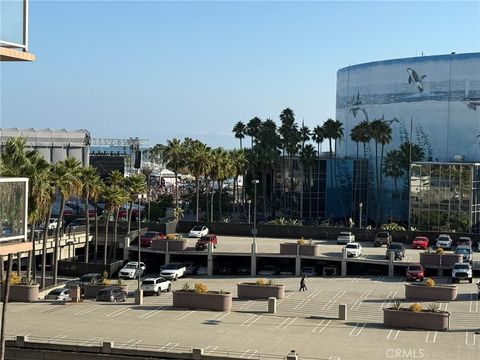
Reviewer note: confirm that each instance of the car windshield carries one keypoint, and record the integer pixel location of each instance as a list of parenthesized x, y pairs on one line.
[(196, 228), (351, 246), (382, 234), (443, 238), (308, 270), (131, 266), (463, 251), (414, 268), (462, 267), (344, 234), (395, 246), (56, 291), (420, 239), (171, 267), (150, 234), (148, 282), (86, 278)]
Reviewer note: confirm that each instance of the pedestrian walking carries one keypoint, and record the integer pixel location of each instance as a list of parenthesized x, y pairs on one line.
[(303, 287)]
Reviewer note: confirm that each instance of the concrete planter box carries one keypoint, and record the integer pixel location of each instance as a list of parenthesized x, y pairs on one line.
[(173, 245), (416, 320), (435, 293), (209, 301), (291, 249), (90, 291), (21, 293), (254, 291), (446, 260)]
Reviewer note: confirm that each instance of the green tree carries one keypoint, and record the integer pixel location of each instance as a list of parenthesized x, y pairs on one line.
[(333, 130), (392, 166), (115, 196), (173, 157), (252, 129), (135, 185), (307, 158), (198, 162), (239, 130)]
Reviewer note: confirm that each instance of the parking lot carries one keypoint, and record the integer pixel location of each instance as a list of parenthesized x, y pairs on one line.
[(305, 321)]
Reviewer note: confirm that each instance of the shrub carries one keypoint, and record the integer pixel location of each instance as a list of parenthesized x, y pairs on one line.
[(415, 307), (430, 282), (200, 288), (186, 287), (301, 241), (105, 281), (397, 305), (270, 282), (440, 251), (261, 282), (171, 236), (120, 281), (434, 308), (15, 279), (26, 281)]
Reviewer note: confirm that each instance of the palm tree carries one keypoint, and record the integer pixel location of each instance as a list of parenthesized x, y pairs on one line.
[(307, 158), (115, 196), (6, 294), (333, 130), (173, 157), (198, 164), (287, 118), (90, 191), (252, 128), (305, 134), (134, 184), (392, 166), (364, 135), (116, 179), (356, 135), (240, 163), (239, 130), (66, 177), (318, 136)]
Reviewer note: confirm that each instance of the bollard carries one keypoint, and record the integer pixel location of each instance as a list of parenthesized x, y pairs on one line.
[(138, 297), (253, 263), (75, 295), (342, 311), (391, 260), (107, 347), (20, 341), (292, 355), (209, 260), (272, 305), (344, 262), (197, 354)]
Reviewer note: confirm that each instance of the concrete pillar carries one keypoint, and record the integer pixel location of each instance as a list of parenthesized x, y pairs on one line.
[(209, 260), (343, 271), (292, 355), (391, 260), (197, 354), (298, 262), (2, 272), (342, 311), (272, 305), (253, 264), (19, 263), (138, 297), (167, 253), (107, 347), (75, 293), (440, 270), (126, 244), (20, 340)]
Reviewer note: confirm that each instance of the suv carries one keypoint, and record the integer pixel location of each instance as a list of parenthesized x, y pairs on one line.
[(461, 271), (444, 241), (382, 238), (464, 240), (156, 285), (397, 249), (202, 243)]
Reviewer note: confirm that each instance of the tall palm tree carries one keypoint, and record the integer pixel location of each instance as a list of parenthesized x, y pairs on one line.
[(173, 157), (364, 135), (287, 118), (239, 130), (356, 135), (116, 178), (115, 196), (392, 166), (252, 128), (240, 162), (90, 191), (198, 164), (307, 158), (67, 180), (333, 131), (134, 184), (318, 136)]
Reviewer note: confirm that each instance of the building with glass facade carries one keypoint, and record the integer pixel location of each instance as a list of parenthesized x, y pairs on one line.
[(445, 196)]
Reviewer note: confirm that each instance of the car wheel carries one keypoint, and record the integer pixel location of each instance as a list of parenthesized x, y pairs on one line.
[(175, 278), (114, 300), (159, 291), (169, 288), (470, 280)]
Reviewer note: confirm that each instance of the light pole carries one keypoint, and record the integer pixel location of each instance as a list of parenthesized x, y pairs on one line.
[(254, 231), (360, 208), (249, 205), (140, 197)]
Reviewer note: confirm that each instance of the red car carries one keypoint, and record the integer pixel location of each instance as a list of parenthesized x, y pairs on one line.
[(202, 243), (420, 242), (146, 239), (415, 272)]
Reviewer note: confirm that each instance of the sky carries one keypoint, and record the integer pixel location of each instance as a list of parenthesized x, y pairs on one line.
[(158, 70)]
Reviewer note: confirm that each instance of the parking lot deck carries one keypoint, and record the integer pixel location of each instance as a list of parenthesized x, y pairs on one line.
[(305, 321)]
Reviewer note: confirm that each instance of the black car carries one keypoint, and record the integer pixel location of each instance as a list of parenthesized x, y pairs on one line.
[(397, 249), (243, 270), (225, 269), (111, 294), (84, 279)]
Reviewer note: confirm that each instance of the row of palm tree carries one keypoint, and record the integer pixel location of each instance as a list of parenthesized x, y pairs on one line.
[(66, 179)]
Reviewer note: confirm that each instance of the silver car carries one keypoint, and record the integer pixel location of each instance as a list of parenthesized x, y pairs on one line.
[(61, 294)]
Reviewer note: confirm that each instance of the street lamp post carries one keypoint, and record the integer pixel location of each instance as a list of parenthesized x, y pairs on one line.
[(254, 231), (249, 205), (140, 197), (360, 208)]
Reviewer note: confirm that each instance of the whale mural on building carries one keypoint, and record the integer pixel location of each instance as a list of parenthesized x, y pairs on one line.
[(415, 79)]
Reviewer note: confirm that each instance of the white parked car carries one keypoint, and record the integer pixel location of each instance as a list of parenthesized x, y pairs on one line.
[(353, 249), (345, 237), (132, 270), (202, 270), (308, 271), (173, 271), (267, 270), (53, 223), (462, 271), (444, 241), (155, 285), (198, 231), (61, 294)]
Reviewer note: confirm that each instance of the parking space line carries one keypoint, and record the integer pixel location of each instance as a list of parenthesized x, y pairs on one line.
[(355, 331), (334, 358), (153, 312), (473, 303), (252, 319), (91, 342), (246, 304), (56, 337), (129, 344), (321, 326), (287, 324), (286, 297), (306, 300), (433, 339), (28, 307), (183, 315), (359, 301), (209, 349), (248, 354), (394, 337), (86, 311), (331, 302), (379, 279), (467, 342), (168, 346), (219, 316), (118, 312)]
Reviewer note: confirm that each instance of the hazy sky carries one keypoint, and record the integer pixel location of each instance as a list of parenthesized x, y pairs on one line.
[(159, 70)]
